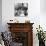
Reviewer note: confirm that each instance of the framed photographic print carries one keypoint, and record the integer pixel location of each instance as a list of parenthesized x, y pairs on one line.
[(21, 9)]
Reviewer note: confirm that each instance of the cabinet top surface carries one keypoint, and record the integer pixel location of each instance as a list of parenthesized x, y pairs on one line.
[(19, 23)]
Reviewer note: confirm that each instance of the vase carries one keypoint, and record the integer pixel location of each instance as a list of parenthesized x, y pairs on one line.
[(41, 43)]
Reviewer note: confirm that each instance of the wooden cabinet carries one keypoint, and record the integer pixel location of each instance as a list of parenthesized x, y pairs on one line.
[(22, 33)]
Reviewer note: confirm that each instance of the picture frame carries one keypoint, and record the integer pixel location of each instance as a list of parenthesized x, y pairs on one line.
[(21, 9)]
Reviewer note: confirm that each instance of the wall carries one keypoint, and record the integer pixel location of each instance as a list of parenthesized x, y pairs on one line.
[(0, 15), (43, 6), (43, 13), (35, 15), (8, 11)]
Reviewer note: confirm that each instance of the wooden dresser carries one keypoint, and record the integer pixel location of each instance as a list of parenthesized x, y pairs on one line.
[(22, 33)]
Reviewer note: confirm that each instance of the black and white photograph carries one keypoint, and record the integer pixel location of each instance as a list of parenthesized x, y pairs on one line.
[(21, 9)]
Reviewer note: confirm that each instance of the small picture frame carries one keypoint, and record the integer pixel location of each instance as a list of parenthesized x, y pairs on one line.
[(21, 9)]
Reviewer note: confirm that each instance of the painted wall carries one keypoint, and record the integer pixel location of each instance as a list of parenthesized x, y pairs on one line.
[(34, 15), (8, 11), (0, 15)]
